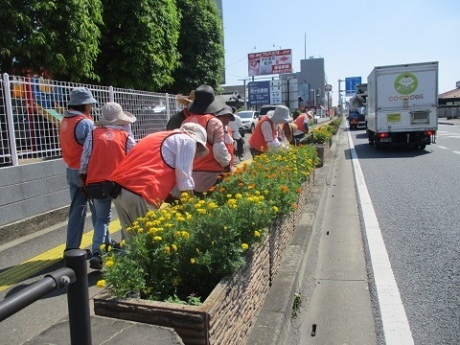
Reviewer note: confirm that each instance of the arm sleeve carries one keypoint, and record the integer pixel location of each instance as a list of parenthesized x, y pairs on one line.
[(216, 134), (185, 154), (86, 154)]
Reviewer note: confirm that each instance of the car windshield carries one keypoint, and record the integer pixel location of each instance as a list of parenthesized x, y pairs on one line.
[(245, 114)]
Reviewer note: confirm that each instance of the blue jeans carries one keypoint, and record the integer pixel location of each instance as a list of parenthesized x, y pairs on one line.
[(77, 210), (101, 228)]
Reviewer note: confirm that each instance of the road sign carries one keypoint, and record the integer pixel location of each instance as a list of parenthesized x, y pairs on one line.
[(351, 85)]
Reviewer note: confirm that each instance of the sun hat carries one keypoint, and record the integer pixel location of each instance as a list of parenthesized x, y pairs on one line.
[(205, 101), (226, 110), (289, 129), (198, 133), (281, 114), (113, 114), (80, 96), (310, 114), (186, 100)]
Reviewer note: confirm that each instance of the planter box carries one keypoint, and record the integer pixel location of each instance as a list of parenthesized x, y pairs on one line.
[(227, 315)]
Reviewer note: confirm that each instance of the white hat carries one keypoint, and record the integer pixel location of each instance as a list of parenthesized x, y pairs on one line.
[(281, 114), (113, 114), (198, 133)]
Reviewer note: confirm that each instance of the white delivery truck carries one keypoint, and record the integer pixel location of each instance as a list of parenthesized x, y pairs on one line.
[(401, 105)]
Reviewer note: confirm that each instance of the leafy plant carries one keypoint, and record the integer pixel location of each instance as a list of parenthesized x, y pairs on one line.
[(184, 250)]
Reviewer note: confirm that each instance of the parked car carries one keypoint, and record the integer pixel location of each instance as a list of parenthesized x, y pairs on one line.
[(265, 109), (249, 118), (355, 120)]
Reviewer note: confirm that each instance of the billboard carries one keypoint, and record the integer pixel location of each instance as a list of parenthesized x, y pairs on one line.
[(351, 85), (272, 62)]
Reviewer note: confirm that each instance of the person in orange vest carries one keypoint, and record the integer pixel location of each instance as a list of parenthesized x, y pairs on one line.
[(158, 162), (73, 130), (301, 122), (105, 147), (202, 111), (265, 136), (178, 118), (226, 116)]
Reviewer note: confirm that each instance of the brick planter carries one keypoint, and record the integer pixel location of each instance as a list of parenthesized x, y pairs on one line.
[(227, 315)]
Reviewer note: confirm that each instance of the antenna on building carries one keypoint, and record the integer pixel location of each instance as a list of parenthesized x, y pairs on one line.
[(305, 46)]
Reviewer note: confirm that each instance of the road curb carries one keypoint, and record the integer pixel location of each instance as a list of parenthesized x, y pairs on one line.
[(274, 321)]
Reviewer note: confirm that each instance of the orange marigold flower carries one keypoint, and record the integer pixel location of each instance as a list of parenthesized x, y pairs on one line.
[(222, 190)]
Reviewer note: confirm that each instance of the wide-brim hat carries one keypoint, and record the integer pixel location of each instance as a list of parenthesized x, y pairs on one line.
[(289, 129), (226, 110), (310, 114), (205, 101), (186, 100), (81, 96), (198, 133), (281, 114), (113, 114)]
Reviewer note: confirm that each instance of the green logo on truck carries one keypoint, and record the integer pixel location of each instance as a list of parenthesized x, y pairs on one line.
[(406, 83)]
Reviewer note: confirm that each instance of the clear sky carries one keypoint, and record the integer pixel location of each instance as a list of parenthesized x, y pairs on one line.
[(352, 36)]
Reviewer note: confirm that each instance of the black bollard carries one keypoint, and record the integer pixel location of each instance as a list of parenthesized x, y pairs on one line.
[(78, 299)]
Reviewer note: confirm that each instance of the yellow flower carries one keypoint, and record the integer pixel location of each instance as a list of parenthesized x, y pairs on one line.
[(256, 233), (275, 208), (193, 261), (238, 196), (174, 247), (122, 243), (245, 246), (101, 283), (185, 234), (109, 263), (167, 250), (157, 238)]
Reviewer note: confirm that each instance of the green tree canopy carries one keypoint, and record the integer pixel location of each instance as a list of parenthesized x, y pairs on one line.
[(60, 37), (200, 46), (139, 44)]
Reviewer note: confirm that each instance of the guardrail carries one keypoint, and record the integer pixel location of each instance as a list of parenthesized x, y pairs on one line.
[(73, 277)]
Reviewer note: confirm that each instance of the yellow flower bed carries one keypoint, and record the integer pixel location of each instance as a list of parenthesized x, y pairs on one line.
[(182, 251)]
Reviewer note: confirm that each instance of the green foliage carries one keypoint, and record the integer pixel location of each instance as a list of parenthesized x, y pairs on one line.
[(61, 37), (183, 250), (200, 45), (139, 44), (296, 304)]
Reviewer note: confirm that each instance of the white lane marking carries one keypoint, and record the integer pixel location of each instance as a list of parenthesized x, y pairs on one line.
[(394, 319), (457, 152), (441, 147)]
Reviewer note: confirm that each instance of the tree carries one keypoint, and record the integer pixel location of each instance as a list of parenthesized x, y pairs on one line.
[(200, 46), (139, 43), (60, 37)]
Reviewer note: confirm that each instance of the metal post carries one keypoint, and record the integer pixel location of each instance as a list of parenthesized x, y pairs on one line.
[(10, 121), (78, 299)]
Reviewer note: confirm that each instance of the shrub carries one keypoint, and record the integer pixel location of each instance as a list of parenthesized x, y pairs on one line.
[(182, 251)]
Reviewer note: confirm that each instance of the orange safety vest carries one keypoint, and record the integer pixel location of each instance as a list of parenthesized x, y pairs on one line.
[(208, 162), (257, 140), (145, 172), (109, 149), (71, 148), (299, 121)]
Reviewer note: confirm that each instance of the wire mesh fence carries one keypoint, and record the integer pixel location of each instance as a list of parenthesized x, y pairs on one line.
[(31, 109)]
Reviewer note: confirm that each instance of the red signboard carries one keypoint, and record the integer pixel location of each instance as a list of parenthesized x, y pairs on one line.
[(272, 62)]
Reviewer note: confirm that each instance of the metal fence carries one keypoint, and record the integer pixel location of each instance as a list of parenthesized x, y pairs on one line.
[(31, 109)]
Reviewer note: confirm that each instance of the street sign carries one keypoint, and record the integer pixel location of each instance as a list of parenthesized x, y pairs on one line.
[(259, 93), (351, 85)]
